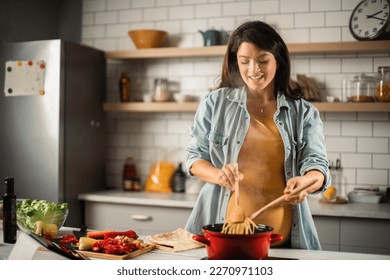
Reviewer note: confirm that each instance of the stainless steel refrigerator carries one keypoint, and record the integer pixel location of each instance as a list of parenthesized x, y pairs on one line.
[(53, 143)]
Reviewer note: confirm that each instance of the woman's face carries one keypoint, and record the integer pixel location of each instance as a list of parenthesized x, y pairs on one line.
[(257, 67)]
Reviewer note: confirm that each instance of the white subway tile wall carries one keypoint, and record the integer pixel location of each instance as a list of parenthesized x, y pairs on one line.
[(360, 140)]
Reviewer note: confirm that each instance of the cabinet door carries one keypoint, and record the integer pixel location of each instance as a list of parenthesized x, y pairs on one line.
[(143, 219), (365, 236), (328, 229)]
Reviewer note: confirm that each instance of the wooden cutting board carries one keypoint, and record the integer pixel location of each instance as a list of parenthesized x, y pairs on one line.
[(130, 255)]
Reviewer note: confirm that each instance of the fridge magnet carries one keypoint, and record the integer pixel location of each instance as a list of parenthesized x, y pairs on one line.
[(24, 77)]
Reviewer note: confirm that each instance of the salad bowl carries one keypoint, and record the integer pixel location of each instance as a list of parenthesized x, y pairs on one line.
[(31, 212)]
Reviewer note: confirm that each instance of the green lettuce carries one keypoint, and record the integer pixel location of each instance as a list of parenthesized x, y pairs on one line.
[(29, 211)]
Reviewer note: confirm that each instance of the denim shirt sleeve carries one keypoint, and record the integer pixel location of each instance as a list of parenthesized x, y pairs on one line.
[(302, 130), (219, 128), (218, 131), (313, 154), (198, 147), (311, 148)]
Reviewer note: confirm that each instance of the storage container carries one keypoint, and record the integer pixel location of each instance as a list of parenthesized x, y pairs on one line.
[(383, 87), (360, 88)]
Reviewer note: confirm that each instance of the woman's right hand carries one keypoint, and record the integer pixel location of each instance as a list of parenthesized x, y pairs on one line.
[(224, 176), (228, 174)]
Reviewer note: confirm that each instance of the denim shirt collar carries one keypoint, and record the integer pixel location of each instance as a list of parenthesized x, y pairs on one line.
[(240, 96)]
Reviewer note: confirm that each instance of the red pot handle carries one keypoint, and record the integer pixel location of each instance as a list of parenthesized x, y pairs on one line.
[(275, 237), (201, 238)]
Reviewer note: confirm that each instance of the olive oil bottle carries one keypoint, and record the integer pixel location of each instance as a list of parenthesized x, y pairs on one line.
[(9, 212)]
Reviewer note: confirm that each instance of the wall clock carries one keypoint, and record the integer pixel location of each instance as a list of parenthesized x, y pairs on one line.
[(370, 20)]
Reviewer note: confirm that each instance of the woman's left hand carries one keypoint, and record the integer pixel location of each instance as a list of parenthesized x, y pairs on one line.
[(299, 181)]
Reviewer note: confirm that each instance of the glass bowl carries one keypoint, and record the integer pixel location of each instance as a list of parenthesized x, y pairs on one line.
[(27, 223)]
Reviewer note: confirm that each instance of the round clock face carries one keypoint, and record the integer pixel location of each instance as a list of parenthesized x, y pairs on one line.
[(370, 19)]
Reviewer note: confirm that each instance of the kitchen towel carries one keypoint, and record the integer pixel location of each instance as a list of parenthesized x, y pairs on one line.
[(175, 241)]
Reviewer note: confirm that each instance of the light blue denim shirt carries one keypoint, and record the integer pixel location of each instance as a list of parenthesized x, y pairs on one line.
[(220, 126)]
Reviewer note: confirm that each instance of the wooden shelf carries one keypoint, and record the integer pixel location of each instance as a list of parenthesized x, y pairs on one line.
[(302, 48), (341, 47), (192, 106), (167, 52), (352, 106), (151, 107)]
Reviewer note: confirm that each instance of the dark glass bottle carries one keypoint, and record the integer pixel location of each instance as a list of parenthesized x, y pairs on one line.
[(129, 174), (125, 87), (178, 180), (9, 212)]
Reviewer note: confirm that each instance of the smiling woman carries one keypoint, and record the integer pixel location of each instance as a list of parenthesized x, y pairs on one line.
[(257, 69), (257, 122)]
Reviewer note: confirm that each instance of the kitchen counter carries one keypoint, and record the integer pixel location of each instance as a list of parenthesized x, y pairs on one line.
[(28, 249), (182, 200), (340, 227)]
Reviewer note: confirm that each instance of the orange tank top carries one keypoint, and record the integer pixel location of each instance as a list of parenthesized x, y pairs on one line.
[(261, 160)]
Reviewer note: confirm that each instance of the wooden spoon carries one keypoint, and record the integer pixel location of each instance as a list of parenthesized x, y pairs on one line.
[(238, 213), (281, 199)]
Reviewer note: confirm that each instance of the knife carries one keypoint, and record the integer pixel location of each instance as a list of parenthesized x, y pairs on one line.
[(69, 253)]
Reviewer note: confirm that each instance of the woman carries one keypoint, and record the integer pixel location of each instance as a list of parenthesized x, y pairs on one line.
[(255, 119)]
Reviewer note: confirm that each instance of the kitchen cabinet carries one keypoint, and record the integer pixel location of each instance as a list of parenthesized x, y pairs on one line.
[(328, 229), (144, 212), (144, 219), (303, 48), (358, 235)]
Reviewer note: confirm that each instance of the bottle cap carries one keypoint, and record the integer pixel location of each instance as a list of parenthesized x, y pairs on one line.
[(9, 185)]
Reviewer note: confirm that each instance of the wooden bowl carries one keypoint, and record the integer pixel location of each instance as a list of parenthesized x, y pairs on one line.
[(148, 38)]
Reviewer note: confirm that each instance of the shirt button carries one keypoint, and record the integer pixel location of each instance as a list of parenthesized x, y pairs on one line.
[(288, 173), (294, 225), (238, 142)]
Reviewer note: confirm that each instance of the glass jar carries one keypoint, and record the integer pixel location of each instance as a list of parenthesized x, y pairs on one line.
[(336, 193), (361, 88), (383, 88), (161, 91)]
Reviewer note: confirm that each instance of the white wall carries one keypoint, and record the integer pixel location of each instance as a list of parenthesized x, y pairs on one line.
[(360, 140)]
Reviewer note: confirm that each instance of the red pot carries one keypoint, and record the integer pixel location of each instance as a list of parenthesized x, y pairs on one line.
[(222, 246)]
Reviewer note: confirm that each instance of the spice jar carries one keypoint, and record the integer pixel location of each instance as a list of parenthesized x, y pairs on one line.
[(383, 88), (161, 91)]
